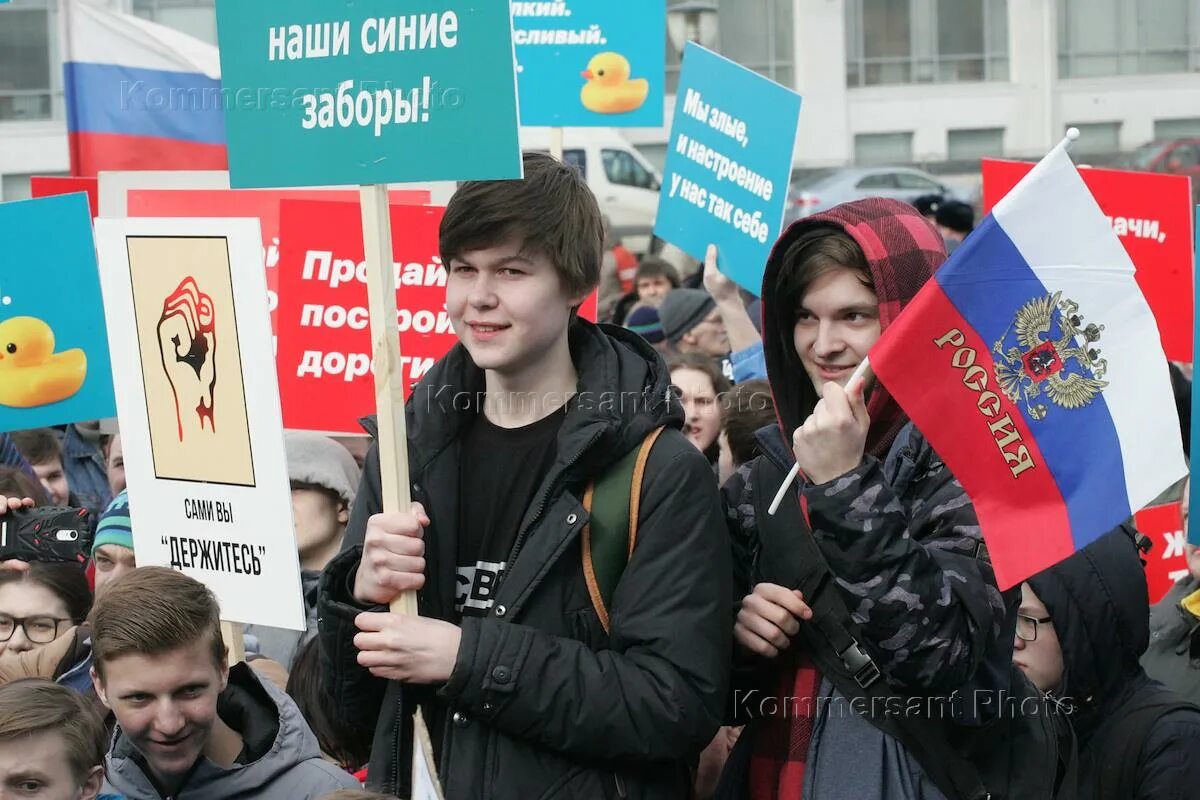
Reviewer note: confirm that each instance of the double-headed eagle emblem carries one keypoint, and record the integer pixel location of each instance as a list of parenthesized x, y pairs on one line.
[(1035, 355)]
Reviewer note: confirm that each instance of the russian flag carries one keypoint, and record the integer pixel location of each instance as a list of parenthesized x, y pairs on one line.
[(1034, 367), (139, 95)]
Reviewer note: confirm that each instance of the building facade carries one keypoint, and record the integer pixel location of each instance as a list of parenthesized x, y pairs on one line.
[(896, 81)]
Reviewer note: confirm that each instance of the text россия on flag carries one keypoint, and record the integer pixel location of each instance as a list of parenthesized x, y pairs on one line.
[(1034, 366)]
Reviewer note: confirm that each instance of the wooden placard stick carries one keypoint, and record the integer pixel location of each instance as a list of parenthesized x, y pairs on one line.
[(392, 440)]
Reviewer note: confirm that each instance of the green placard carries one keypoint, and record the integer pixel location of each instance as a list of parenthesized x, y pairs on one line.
[(325, 92)]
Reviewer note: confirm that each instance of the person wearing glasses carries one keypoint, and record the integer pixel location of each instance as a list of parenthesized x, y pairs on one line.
[(40, 604), (1083, 625)]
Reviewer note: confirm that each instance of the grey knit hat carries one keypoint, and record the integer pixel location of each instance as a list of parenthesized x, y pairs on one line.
[(682, 310), (321, 461)]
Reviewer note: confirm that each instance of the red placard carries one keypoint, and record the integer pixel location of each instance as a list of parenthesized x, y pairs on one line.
[(263, 204), (324, 357), (50, 185), (1152, 216), (1167, 561)]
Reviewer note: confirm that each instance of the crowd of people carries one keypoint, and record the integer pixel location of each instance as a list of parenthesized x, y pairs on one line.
[(608, 607)]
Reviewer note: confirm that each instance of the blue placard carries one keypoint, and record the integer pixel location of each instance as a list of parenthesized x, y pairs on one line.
[(729, 161), (1193, 535), (591, 62), (54, 363), (325, 92)]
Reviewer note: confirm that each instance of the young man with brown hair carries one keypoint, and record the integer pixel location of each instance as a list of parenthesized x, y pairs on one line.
[(870, 586), (528, 690), (43, 451), (52, 742), (188, 724)]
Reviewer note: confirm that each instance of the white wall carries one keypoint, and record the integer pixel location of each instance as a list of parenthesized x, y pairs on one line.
[(1135, 101), (33, 147)]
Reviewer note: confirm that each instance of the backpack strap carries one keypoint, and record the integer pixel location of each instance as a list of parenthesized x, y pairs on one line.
[(830, 638), (1121, 749), (613, 503)]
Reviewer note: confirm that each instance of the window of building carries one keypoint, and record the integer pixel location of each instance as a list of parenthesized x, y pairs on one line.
[(1127, 37), (758, 34), (194, 17), (926, 41), (971, 144), (1176, 128), (15, 186), (623, 169), (27, 82), (1096, 137), (883, 148)]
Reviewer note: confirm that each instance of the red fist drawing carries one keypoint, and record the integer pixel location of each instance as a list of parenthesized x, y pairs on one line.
[(187, 340)]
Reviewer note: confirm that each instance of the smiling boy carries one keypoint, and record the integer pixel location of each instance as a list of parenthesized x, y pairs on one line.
[(187, 724), (528, 690)]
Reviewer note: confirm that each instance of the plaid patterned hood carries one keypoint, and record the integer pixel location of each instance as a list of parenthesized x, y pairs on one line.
[(903, 251)]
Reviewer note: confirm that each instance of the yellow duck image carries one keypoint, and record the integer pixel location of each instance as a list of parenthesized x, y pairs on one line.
[(609, 89), (31, 373)]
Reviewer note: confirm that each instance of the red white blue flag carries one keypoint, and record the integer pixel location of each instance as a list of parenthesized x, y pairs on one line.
[(1033, 365), (139, 95)]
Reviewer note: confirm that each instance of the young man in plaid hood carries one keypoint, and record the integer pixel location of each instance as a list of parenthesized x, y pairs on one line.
[(878, 509)]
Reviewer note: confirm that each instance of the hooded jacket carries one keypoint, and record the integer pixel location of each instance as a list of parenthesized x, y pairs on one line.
[(542, 703), (898, 533), (1098, 601), (282, 759), (1173, 656)]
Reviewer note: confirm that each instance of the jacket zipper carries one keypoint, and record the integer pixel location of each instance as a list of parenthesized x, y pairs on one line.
[(524, 534)]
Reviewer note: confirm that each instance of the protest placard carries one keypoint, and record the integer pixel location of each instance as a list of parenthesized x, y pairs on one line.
[(1152, 216), (729, 160), (186, 303), (1193, 536), (591, 62), (51, 185), (262, 204), (54, 359), (325, 347), (1167, 560), (325, 93)]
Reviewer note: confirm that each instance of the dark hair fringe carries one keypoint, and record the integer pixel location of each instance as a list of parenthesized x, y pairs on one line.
[(552, 211)]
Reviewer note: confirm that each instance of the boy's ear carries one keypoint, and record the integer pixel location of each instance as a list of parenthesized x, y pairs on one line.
[(343, 516), (98, 685), (92, 784)]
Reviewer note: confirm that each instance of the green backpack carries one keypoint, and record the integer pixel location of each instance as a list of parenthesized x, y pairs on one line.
[(612, 503)]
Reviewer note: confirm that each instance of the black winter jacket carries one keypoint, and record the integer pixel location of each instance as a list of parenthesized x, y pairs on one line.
[(1100, 607), (542, 703)]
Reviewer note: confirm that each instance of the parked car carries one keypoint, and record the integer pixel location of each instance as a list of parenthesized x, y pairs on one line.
[(1171, 156), (822, 190), (624, 182)]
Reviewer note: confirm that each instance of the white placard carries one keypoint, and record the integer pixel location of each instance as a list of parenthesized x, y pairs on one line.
[(198, 403)]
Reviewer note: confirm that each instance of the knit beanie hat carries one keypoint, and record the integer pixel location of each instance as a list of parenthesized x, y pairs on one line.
[(320, 461), (645, 322), (682, 310), (113, 526)]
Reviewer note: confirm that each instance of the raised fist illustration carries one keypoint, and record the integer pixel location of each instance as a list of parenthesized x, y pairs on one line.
[(187, 340)]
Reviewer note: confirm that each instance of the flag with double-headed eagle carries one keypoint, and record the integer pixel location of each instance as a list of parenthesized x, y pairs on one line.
[(1033, 365)]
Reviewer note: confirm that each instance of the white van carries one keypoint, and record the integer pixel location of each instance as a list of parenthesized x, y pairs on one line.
[(624, 182)]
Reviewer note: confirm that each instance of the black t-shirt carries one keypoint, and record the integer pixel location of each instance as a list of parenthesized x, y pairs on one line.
[(502, 470)]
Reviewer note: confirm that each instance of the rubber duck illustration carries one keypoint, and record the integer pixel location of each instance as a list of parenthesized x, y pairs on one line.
[(31, 373), (609, 89)]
